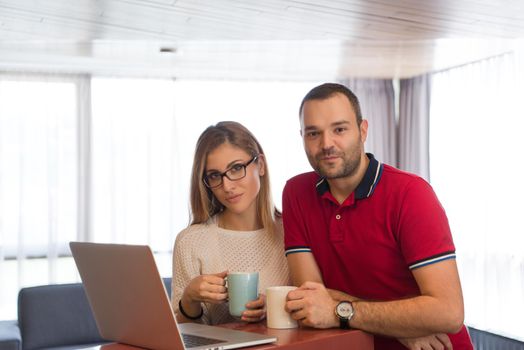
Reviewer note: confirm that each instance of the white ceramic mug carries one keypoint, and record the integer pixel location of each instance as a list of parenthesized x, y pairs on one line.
[(277, 316)]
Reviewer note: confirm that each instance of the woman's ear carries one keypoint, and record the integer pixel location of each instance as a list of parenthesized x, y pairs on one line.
[(261, 165)]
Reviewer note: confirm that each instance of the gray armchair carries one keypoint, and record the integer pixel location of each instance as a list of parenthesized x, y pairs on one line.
[(10, 338), (54, 317)]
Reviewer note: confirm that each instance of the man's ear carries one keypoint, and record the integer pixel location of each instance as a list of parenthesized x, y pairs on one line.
[(364, 130)]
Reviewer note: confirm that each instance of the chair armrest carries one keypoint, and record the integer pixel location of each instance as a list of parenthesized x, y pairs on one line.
[(10, 338)]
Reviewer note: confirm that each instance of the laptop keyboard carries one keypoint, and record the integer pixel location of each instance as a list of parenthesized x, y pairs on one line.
[(192, 341)]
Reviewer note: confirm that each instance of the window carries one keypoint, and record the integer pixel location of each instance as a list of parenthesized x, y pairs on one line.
[(135, 178), (38, 163), (476, 141), (38, 182)]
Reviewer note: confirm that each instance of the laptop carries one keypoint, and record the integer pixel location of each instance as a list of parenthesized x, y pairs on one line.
[(131, 305)]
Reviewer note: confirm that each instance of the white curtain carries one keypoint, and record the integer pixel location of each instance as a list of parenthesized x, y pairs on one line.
[(477, 121), (39, 179), (413, 125), (377, 103), (82, 159), (134, 155)]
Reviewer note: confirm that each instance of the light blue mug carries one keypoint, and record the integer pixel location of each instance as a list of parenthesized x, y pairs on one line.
[(242, 287)]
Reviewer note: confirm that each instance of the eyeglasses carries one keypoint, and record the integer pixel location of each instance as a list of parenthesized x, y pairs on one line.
[(236, 172)]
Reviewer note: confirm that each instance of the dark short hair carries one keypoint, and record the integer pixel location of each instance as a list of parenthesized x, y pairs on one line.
[(326, 91)]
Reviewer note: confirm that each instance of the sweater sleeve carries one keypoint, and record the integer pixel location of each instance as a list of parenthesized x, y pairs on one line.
[(186, 266)]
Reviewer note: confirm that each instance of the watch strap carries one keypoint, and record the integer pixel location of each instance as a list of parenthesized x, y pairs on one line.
[(183, 312)]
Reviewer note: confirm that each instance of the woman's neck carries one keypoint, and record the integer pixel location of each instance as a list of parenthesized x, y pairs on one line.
[(247, 221)]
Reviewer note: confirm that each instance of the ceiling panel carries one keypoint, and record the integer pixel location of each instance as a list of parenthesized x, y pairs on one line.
[(253, 39)]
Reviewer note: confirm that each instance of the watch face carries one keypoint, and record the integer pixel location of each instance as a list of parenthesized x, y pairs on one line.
[(344, 309)]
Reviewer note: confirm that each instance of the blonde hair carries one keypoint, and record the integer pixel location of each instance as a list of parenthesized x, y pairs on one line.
[(204, 204)]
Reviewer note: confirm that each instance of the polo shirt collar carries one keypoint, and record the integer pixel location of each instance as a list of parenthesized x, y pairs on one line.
[(366, 187)]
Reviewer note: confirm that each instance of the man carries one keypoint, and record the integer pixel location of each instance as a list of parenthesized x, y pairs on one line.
[(369, 245)]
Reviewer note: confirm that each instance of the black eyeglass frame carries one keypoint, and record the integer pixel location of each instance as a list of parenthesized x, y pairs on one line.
[(244, 166)]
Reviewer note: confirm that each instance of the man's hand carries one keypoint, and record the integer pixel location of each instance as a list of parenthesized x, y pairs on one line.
[(432, 342), (311, 305)]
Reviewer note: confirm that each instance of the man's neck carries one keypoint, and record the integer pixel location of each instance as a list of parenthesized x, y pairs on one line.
[(341, 188)]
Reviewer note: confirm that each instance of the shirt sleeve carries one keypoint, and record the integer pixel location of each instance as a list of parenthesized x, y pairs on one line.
[(295, 233), (424, 232)]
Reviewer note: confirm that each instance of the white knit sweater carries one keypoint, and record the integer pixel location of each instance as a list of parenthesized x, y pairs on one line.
[(207, 249)]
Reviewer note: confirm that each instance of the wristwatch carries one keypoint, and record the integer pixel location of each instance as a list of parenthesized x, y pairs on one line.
[(344, 312)]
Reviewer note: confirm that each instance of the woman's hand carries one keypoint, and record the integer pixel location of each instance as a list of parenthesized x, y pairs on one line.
[(256, 310), (207, 288), (435, 341)]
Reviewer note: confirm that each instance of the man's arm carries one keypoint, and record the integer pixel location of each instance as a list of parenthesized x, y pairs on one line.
[(303, 268), (439, 308)]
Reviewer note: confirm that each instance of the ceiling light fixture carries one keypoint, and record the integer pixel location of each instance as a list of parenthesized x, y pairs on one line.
[(166, 49)]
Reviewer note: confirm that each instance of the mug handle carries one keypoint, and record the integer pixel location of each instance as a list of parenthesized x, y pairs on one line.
[(227, 290)]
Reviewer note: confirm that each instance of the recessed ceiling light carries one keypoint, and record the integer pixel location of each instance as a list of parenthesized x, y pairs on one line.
[(166, 49)]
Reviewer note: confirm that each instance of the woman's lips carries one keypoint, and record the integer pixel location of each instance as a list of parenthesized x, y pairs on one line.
[(233, 199)]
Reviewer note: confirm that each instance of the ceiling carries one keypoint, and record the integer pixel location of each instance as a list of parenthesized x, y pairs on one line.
[(255, 39)]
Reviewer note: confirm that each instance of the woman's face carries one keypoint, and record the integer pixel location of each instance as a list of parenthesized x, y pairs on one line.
[(240, 195)]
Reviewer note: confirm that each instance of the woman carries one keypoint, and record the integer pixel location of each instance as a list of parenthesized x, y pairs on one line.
[(235, 227)]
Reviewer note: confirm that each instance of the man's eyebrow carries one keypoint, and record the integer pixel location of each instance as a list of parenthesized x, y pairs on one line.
[(342, 122), (337, 123)]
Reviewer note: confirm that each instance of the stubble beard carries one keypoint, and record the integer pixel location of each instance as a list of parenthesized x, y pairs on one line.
[(350, 164)]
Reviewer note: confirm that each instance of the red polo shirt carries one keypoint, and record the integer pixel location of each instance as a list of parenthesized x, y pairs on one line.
[(368, 245)]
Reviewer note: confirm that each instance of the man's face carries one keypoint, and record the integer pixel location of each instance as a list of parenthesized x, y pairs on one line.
[(333, 141)]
